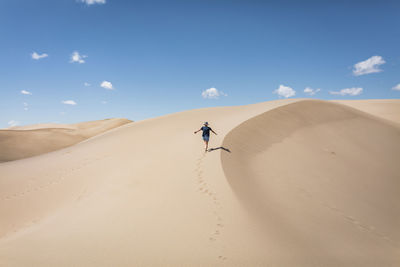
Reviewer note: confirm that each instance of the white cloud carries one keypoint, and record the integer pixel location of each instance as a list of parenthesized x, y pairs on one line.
[(212, 93), (25, 106), (13, 123), (310, 91), (69, 102), (91, 2), (397, 87), (38, 56), (285, 91), (348, 91), (370, 65), (24, 92), (86, 84), (104, 102), (107, 85), (76, 57)]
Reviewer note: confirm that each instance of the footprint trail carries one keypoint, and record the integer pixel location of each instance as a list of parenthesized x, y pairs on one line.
[(205, 189)]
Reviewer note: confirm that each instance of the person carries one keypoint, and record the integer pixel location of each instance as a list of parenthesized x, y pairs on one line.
[(206, 133)]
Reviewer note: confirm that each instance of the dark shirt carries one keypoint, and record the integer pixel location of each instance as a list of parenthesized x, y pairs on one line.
[(206, 130)]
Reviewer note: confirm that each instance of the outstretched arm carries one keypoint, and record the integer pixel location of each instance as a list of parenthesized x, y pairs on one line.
[(214, 132), (197, 131)]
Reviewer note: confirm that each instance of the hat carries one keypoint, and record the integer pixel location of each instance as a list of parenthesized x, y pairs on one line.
[(206, 123)]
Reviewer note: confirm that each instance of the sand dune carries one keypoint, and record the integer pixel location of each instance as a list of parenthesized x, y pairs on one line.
[(388, 109), (323, 181), (26, 141), (306, 183)]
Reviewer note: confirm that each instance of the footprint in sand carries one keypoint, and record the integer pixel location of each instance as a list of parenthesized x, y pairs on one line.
[(61, 175), (213, 197)]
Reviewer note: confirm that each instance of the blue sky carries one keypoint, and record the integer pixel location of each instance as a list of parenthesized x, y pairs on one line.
[(159, 57)]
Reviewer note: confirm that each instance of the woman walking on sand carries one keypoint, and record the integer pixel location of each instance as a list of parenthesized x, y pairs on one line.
[(206, 133)]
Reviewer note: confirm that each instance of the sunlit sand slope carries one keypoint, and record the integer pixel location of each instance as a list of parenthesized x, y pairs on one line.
[(27, 141), (388, 109)]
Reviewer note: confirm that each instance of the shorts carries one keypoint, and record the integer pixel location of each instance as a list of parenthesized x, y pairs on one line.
[(206, 138)]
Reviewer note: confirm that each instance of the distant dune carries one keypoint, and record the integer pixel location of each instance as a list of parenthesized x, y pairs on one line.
[(294, 182), (388, 109), (27, 141)]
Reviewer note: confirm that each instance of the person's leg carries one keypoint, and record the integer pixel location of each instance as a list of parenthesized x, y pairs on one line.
[(206, 139)]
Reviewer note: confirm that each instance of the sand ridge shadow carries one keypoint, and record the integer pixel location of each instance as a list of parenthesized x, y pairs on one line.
[(221, 147)]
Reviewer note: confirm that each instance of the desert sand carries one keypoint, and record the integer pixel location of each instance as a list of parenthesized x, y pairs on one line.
[(20, 142), (384, 108), (304, 183)]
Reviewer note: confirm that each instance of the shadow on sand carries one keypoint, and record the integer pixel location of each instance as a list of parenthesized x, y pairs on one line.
[(216, 148)]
